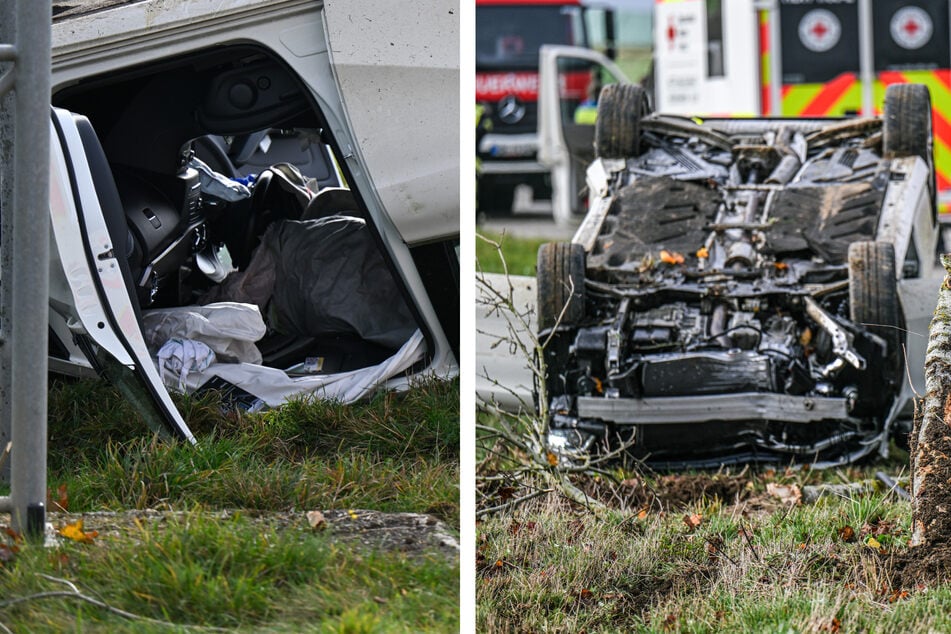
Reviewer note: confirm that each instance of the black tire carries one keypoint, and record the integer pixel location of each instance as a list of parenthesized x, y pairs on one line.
[(907, 126), (617, 131), (873, 292), (560, 282)]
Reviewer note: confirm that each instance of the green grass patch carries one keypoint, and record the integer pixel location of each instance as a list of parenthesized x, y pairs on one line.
[(394, 452), (520, 254), (230, 573)]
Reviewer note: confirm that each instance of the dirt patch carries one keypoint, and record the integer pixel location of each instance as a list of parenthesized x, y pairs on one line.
[(410, 533), (667, 492)]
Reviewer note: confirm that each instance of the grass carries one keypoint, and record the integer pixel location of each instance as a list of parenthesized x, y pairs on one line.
[(232, 574), (520, 254), (395, 452), (753, 564)]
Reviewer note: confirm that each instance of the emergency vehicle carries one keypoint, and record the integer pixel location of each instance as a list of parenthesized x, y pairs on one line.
[(508, 36), (804, 58)]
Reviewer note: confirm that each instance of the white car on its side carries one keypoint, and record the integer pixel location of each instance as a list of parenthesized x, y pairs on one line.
[(254, 196)]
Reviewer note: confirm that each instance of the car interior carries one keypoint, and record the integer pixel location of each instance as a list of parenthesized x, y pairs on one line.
[(199, 160)]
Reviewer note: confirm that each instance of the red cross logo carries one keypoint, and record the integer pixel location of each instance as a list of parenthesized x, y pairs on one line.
[(911, 27), (820, 30)]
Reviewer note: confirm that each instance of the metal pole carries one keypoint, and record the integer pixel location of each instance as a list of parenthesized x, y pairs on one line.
[(31, 249), (866, 57), (775, 61), (7, 34), (771, 7)]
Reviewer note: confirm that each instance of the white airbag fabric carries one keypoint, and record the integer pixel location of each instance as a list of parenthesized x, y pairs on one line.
[(274, 387), (182, 356), (228, 328)]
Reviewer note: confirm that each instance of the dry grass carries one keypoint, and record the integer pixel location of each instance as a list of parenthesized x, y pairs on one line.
[(752, 563)]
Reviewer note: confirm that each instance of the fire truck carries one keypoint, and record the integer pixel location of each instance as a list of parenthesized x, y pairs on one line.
[(804, 58), (508, 36)]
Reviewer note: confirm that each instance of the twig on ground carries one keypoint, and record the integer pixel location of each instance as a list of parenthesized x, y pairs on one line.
[(74, 593)]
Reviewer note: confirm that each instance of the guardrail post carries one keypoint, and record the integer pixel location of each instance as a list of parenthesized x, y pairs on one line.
[(26, 330)]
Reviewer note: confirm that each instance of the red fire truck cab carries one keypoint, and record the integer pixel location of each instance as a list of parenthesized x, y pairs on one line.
[(508, 36)]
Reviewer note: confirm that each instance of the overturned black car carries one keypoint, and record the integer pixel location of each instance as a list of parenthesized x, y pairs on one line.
[(754, 290)]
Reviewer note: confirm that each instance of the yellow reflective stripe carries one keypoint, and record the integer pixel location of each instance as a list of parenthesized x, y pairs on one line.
[(797, 97)]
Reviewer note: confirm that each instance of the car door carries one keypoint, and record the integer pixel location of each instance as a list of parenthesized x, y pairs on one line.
[(96, 307), (570, 79)]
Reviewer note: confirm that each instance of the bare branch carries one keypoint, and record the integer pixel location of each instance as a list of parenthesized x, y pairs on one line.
[(516, 447), (75, 594)]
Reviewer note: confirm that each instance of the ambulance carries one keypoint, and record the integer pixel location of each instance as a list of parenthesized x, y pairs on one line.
[(804, 58)]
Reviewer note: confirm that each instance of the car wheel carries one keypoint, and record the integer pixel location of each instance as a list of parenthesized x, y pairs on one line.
[(617, 131), (873, 292), (907, 126), (560, 280)]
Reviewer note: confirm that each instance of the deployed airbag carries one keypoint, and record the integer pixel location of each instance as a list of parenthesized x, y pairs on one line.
[(274, 387), (228, 328), (323, 277)]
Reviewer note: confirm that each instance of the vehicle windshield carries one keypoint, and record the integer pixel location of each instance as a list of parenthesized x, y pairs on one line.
[(511, 36)]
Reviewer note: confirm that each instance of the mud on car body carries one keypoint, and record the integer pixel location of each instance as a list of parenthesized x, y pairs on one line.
[(753, 290)]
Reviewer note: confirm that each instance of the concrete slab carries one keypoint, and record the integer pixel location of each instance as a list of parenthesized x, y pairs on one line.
[(503, 374)]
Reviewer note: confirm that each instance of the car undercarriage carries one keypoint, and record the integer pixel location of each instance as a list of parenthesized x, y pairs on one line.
[(733, 294)]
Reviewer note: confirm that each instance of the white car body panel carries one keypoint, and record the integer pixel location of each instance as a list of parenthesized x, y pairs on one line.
[(553, 151), (396, 99), (67, 238)]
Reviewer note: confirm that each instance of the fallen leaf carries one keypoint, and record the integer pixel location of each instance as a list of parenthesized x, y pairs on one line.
[(897, 595), (521, 527), (669, 257), (670, 622), (871, 542), (7, 553), (76, 533), (847, 533), (785, 493), (642, 514), (506, 493), (703, 253), (353, 514), (552, 459), (316, 520), (693, 521), (60, 502)]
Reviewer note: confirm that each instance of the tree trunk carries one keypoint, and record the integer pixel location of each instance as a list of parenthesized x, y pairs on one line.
[(931, 437)]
